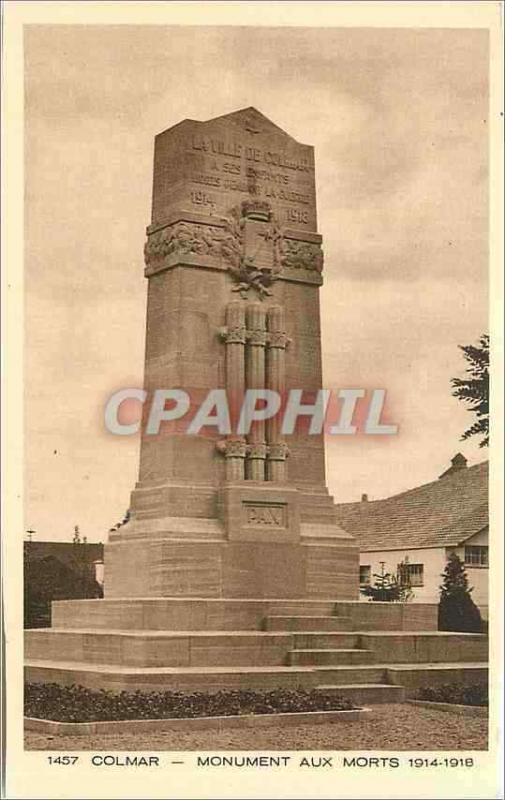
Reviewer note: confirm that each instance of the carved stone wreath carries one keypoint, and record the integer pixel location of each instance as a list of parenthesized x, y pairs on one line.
[(242, 264)]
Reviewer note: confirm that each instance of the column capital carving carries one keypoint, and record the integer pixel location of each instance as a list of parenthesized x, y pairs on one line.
[(232, 448), (278, 339), (278, 451), (258, 450), (233, 335), (257, 338)]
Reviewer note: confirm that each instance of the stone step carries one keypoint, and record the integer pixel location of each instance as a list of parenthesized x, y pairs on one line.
[(379, 616), (108, 676), (367, 693), (330, 657), (160, 648), (325, 641), (362, 690), (179, 614), (305, 608), (176, 648), (277, 622), (426, 647), (205, 679), (415, 676), (212, 614), (345, 674)]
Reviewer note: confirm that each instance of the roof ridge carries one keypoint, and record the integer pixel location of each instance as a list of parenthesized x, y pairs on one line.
[(435, 482)]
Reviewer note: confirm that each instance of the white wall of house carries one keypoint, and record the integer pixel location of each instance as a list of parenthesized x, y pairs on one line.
[(477, 576), (433, 561)]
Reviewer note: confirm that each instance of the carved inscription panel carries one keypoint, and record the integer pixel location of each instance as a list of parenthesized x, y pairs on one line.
[(272, 515), (212, 166)]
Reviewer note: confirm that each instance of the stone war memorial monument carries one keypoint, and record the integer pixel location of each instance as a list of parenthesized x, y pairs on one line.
[(234, 269), (232, 570)]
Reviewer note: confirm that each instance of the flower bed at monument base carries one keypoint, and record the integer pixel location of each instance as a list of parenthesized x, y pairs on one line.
[(77, 704), (454, 693)]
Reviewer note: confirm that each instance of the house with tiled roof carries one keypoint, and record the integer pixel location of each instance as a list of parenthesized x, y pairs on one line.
[(423, 526)]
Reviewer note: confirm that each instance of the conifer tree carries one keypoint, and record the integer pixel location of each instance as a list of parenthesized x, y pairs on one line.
[(456, 610)]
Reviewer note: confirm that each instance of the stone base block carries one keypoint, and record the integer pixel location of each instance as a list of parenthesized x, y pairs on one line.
[(220, 614), (232, 569)]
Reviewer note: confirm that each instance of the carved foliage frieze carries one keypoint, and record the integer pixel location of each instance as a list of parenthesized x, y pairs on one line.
[(184, 238), (249, 242), (302, 255)]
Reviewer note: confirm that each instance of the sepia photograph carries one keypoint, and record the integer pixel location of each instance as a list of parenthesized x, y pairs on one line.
[(255, 360)]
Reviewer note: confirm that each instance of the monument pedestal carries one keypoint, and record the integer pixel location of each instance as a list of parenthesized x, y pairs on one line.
[(260, 546), (366, 652)]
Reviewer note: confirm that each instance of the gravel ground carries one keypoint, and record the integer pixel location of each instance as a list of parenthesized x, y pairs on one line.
[(387, 727)]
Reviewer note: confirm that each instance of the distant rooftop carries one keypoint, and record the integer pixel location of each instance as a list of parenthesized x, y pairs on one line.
[(442, 513)]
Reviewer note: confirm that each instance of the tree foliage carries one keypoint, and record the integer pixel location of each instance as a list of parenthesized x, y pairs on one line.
[(47, 579), (474, 390)]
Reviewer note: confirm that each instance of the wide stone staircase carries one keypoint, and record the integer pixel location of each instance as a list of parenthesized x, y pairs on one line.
[(366, 652)]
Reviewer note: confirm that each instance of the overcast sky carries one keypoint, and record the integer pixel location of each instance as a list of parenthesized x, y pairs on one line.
[(398, 119)]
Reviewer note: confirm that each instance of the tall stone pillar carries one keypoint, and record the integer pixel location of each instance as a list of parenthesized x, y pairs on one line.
[(276, 380), (234, 270), (234, 335), (255, 379)]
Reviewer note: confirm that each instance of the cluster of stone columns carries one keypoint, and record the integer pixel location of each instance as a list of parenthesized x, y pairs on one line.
[(256, 342)]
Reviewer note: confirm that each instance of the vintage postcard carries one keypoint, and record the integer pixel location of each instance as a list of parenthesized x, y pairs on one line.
[(252, 273)]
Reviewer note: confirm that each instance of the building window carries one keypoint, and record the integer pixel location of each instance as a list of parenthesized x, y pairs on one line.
[(415, 573), (365, 575), (476, 556)]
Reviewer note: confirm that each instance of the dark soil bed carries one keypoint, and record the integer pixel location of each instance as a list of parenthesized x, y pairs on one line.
[(78, 704), (474, 695)]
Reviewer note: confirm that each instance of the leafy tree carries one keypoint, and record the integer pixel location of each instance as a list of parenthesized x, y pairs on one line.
[(456, 609), (474, 390)]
